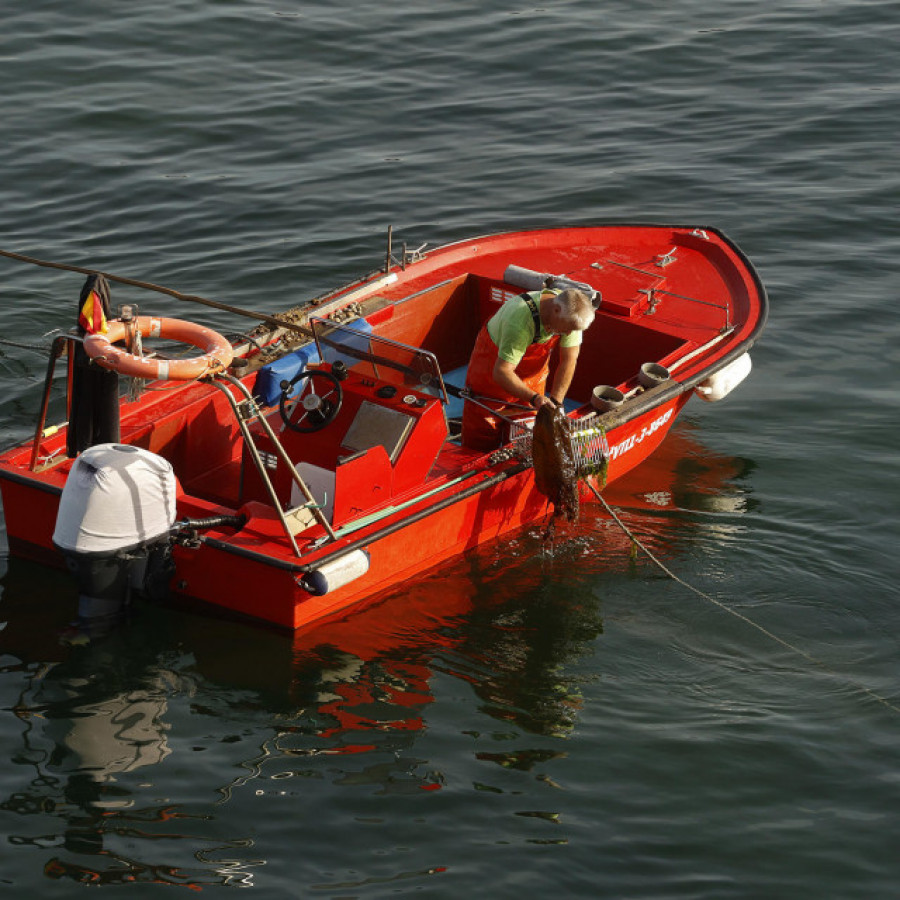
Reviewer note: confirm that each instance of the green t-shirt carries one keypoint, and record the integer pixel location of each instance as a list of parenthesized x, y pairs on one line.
[(512, 329)]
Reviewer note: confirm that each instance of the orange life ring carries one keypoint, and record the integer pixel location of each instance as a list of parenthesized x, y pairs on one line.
[(217, 351)]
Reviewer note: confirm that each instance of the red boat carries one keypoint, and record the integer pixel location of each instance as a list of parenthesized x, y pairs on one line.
[(318, 462)]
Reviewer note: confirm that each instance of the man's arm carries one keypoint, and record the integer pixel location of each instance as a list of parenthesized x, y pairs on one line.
[(505, 377), (565, 371)]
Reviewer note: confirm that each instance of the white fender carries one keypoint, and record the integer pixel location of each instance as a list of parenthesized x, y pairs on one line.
[(725, 380), (337, 572)]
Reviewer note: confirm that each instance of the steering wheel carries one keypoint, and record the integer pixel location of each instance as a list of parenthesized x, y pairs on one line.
[(318, 408)]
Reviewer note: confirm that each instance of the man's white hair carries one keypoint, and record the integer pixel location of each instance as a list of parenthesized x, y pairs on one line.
[(576, 308)]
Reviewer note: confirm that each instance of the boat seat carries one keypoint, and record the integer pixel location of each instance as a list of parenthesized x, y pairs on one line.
[(455, 378), (358, 484)]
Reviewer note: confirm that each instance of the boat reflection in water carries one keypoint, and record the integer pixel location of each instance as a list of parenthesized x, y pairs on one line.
[(141, 750)]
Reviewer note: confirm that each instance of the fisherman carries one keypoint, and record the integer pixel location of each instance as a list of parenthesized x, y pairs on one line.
[(511, 359)]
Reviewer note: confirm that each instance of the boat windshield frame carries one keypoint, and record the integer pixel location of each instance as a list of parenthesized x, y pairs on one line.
[(378, 358)]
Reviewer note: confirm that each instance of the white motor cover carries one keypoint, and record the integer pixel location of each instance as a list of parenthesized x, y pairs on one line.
[(116, 497)]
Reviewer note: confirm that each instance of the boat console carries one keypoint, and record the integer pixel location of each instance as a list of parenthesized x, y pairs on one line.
[(363, 426)]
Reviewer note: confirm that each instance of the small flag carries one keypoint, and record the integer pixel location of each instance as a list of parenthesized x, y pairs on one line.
[(92, 318)]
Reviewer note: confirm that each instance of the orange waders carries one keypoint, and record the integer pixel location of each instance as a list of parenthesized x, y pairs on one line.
[(480, 429)]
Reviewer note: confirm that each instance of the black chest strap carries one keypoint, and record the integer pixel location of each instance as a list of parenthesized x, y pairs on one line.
[(535, 315)]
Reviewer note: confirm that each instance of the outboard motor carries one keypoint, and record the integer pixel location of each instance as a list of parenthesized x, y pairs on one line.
[(115, 518)]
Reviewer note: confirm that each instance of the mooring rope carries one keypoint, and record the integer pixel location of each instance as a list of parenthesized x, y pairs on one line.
[(793, 648), (40, 349), (160, 289)]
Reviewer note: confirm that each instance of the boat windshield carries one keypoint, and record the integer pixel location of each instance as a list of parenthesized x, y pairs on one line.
[(383, 360)]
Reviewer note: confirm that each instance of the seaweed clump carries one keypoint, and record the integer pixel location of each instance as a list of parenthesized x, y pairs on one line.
[(555, 466)]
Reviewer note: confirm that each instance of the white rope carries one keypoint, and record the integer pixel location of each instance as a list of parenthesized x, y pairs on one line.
[(774, 637)]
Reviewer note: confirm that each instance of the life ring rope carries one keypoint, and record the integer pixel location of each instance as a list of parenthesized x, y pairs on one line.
[(217, 351)]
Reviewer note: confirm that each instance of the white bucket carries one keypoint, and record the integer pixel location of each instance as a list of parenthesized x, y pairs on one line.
[(605, 398)]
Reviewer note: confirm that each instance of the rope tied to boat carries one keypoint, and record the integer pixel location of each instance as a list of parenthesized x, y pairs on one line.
[(21, 345), (558, 474), (274, 321), (787, 645)]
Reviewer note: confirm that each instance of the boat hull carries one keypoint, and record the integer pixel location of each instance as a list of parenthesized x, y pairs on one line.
[(400, 547)]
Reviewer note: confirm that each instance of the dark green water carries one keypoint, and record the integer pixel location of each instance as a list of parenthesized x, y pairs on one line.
[(515, 724)]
